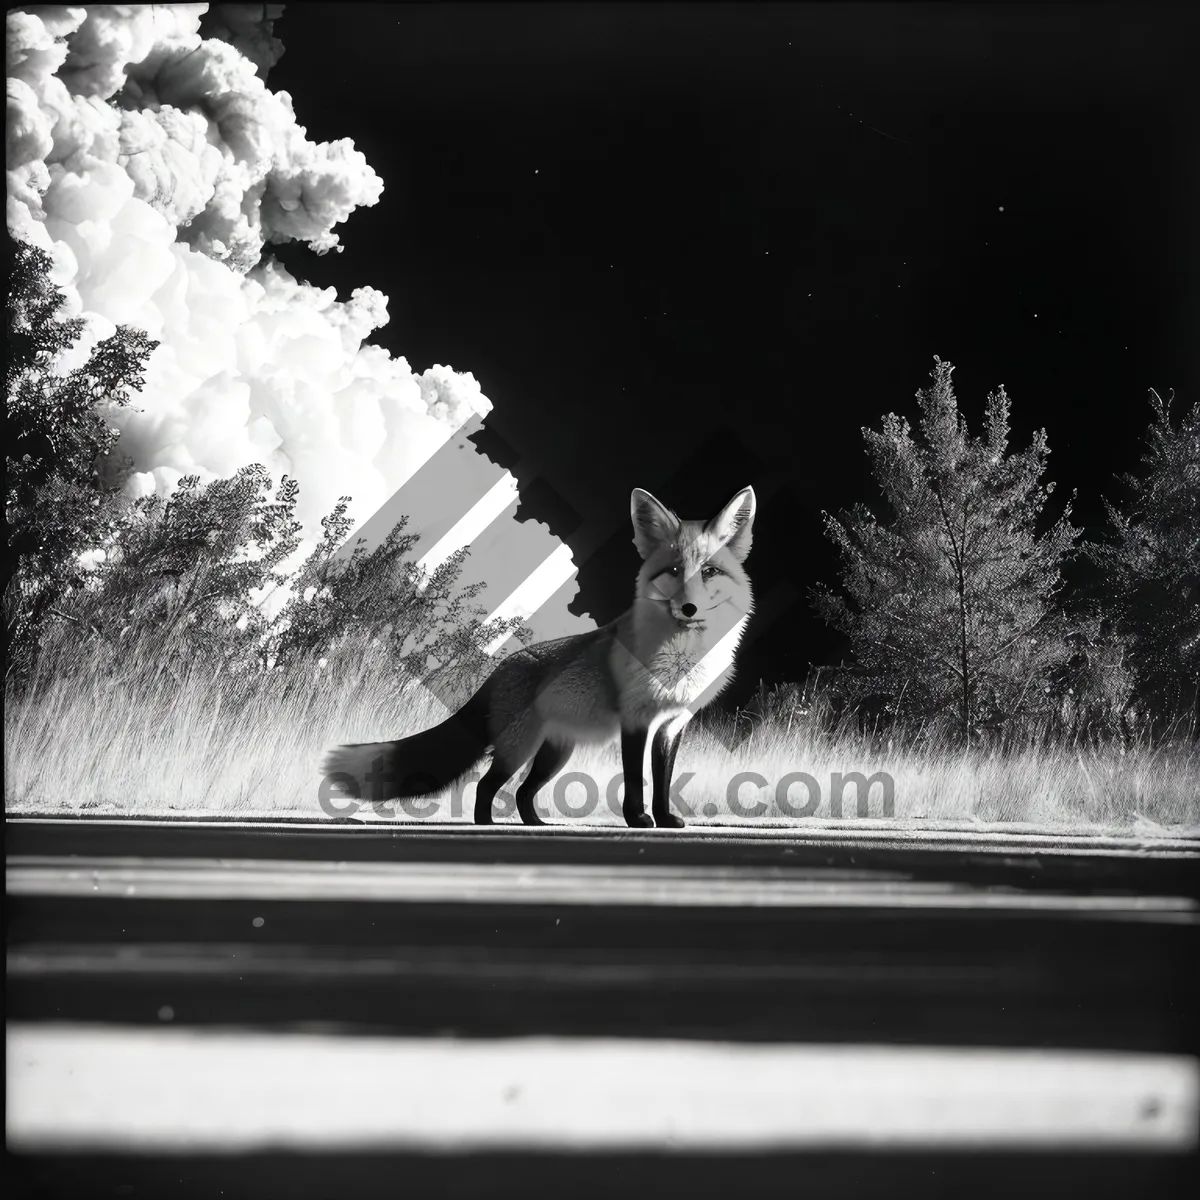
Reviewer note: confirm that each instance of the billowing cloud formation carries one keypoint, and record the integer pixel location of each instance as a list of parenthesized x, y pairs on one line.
[(249, 27), (154, 164)]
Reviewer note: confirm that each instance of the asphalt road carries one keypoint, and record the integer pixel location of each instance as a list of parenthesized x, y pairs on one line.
[(733, 938)]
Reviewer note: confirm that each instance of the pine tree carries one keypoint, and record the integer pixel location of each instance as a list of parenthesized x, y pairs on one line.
[(951, 600), (1152, 564)]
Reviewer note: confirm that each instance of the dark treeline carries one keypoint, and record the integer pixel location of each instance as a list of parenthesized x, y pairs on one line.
[(954, 598)]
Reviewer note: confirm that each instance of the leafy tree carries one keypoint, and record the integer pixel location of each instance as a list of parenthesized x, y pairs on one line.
[(186, 579), (182, 581), (185, 576), (951, 600), (425, 625), (1151, 563), (57, 503)]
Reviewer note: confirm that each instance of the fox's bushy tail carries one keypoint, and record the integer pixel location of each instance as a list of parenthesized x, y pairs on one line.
[(421, 765)]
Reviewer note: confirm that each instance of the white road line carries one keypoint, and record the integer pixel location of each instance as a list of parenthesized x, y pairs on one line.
[(172, 1089), (510, 883)]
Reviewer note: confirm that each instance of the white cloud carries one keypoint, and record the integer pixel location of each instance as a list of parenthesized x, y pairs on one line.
[(154, 165)]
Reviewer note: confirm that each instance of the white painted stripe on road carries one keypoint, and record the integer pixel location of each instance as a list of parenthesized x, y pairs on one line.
[(161, 1090), (513, 883)]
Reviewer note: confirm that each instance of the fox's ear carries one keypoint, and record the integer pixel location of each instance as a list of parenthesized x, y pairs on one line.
[(734, 524), (653, 523)]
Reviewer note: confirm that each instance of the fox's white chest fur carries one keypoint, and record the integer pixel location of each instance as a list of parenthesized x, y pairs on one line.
[(646, 682), (673, 677)]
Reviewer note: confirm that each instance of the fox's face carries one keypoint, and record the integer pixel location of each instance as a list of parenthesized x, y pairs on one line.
[(693, 569)]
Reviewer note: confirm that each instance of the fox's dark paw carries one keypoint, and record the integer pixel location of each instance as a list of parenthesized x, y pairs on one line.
[(531, 818), (642, 820), (483, 818), (668, 820)]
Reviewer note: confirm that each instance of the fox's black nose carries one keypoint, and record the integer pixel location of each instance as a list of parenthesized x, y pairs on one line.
[(689, 610)]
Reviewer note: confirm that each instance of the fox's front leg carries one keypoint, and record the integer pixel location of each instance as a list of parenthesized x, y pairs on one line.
[(662, 768), (633, 755)]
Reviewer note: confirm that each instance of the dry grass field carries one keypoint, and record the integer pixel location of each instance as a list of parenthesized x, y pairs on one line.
[(153, 741)]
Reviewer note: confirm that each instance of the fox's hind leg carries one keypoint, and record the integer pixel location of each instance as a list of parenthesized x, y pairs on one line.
[(498, 774), (513, 745), (548, 761)]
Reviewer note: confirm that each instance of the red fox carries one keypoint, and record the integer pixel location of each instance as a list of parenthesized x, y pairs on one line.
[(636, 677)]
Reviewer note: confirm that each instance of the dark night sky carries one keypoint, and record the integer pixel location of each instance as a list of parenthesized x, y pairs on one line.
[(688, 247)]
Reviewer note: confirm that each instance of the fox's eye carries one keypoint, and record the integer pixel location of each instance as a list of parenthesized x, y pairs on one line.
[(673, 571), (710, 572)]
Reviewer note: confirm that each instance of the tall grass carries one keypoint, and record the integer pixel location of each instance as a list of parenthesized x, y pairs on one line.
[(154, 739)]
